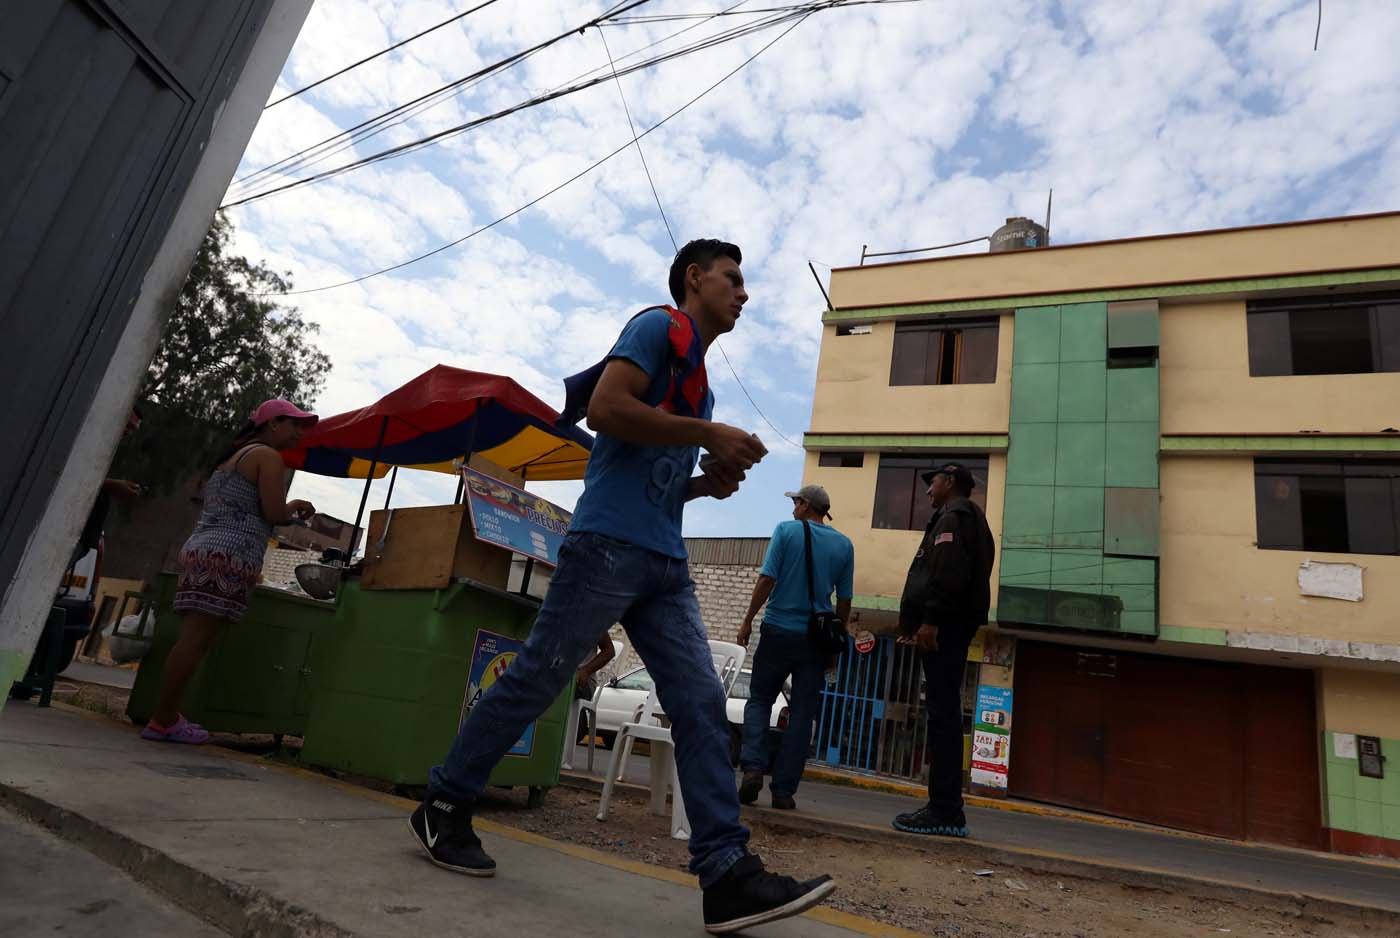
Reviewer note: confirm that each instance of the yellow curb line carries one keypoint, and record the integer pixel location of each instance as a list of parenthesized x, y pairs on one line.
[(826, 916)]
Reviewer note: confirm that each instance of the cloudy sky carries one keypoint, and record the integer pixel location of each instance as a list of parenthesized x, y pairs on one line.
[(893, 125)]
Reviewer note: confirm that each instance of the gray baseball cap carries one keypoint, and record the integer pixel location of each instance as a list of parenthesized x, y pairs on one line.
[(815, 496)]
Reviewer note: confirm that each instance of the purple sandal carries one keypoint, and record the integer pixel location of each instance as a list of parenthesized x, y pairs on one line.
[(182, 731)]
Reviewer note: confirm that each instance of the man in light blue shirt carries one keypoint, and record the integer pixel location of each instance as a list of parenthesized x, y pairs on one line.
[(784, 649)]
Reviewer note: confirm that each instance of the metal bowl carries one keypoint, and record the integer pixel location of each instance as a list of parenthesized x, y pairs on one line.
[(319, 580)]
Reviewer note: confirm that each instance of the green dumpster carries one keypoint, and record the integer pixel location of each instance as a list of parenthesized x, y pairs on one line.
[(257, 677), (394, 682)]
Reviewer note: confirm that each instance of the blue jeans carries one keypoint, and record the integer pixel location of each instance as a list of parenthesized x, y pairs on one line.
[(601, 581), (782, 652)]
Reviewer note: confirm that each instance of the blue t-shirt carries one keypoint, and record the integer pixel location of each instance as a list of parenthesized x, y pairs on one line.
[(833, 566), (637, 493)]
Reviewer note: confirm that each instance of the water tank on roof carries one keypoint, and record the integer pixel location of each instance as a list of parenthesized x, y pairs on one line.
[(1018, 234)]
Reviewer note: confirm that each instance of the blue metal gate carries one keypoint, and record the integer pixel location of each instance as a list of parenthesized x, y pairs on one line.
[(872, 717)]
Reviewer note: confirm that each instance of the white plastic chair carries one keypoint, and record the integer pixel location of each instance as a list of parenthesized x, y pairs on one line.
[(728, 661), (576, 712)]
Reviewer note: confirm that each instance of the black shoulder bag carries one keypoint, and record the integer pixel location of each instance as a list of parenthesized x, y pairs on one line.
[(826, 631)]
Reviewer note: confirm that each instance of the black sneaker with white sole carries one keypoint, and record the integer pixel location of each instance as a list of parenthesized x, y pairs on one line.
[(749, 895), (444, 830)]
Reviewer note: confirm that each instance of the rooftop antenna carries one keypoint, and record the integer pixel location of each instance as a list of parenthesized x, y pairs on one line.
[(1049, 201), (825, 295)]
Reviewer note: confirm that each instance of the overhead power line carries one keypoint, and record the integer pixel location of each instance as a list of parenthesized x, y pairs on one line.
[(803, 11), (540, 198), (371, 58), (786, 14), (339, 142), (289, 162), (637, 142)]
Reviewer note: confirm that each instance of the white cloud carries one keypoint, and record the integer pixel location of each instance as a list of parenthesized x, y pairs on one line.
[(896, 127)]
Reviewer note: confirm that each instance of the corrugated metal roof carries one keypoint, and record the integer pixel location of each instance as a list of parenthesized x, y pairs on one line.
[(727, 551)]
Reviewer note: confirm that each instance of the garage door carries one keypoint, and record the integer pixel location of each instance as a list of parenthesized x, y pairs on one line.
[(1226, 749)]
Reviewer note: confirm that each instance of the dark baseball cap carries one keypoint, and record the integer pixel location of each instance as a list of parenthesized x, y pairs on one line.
[(958, 471)]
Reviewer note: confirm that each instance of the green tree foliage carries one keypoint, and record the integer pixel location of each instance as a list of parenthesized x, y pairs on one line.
[(227, 348)]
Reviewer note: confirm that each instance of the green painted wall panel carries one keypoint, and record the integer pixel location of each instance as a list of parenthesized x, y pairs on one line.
[(1132, 394), (1032, 458), (1025, 567), (1063, 453), (1078, 522), (1129, 571), (1035, 392), (1037, 336), (1073, 570), (1131, 455), (1083, 392), (1083, 330), (1028, 515), (1080, 456)]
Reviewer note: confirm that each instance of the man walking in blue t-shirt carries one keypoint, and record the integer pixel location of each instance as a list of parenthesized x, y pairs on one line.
[(623, 560), (784, 648)]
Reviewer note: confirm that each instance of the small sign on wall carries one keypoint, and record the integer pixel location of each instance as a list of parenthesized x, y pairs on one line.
[(1372, 762), (1330, 580)]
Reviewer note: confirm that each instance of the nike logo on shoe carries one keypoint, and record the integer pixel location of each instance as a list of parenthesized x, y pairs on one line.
[(430, 837)]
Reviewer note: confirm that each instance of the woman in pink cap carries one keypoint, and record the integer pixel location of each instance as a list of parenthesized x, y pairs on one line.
[(222, 559)]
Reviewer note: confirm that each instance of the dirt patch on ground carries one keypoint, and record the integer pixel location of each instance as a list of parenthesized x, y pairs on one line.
[(918, 886)]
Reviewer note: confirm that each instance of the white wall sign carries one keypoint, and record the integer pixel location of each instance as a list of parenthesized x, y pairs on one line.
[(1344, 745), (1330, 580)]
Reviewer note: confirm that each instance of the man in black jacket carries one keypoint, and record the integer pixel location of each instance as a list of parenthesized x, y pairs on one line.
[(947, 595)]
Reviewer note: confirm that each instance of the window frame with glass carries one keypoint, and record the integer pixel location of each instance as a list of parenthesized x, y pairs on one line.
[(1337, 506), (897, 477), (923, 356)]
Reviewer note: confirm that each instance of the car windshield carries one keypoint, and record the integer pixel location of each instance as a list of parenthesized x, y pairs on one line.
[(635, 680), (740, 690)]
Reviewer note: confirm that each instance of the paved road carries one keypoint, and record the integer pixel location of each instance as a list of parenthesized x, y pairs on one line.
[(68, 891), (1372, 883)]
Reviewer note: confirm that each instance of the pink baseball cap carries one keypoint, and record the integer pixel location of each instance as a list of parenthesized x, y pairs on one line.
[(271, 410)]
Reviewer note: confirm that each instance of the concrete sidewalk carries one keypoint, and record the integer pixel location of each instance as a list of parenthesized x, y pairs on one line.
[(264, 850), (1122, 851)]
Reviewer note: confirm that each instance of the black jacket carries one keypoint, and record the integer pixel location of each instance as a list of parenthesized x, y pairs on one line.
[(949, 582)]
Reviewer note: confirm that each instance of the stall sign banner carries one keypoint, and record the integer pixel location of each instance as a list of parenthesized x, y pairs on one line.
[(491, 656), (991, 737), (514, 519)]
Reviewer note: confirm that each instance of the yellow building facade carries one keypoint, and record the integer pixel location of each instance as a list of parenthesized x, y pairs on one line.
[(1187, 448)]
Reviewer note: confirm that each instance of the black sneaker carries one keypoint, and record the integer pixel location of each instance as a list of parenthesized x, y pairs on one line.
[(783, 802), (444, 830), (750, 895), (926, 821), (750, 787)]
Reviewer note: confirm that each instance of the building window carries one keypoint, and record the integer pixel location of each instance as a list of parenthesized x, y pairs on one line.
[(1340, 334), (900, 500), (944, 352), (1344, 507), (841, 460)]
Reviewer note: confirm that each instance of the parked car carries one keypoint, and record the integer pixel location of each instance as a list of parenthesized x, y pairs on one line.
[(624, 694)]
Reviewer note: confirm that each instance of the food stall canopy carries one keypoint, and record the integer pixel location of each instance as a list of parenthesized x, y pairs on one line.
[(446, 414)]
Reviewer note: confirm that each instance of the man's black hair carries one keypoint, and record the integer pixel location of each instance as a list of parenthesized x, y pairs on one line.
[(702, 251)]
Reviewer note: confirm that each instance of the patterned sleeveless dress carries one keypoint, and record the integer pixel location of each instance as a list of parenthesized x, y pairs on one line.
[(223, 558)]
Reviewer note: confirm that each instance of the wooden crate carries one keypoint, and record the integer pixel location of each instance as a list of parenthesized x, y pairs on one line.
[(426, 548)]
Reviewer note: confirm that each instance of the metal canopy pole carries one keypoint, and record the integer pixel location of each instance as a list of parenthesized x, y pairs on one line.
[(369, 477), (471, 448), (393, 477), (529, 561)]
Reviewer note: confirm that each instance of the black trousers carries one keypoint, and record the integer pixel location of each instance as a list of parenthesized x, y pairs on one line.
[(943, 681)]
